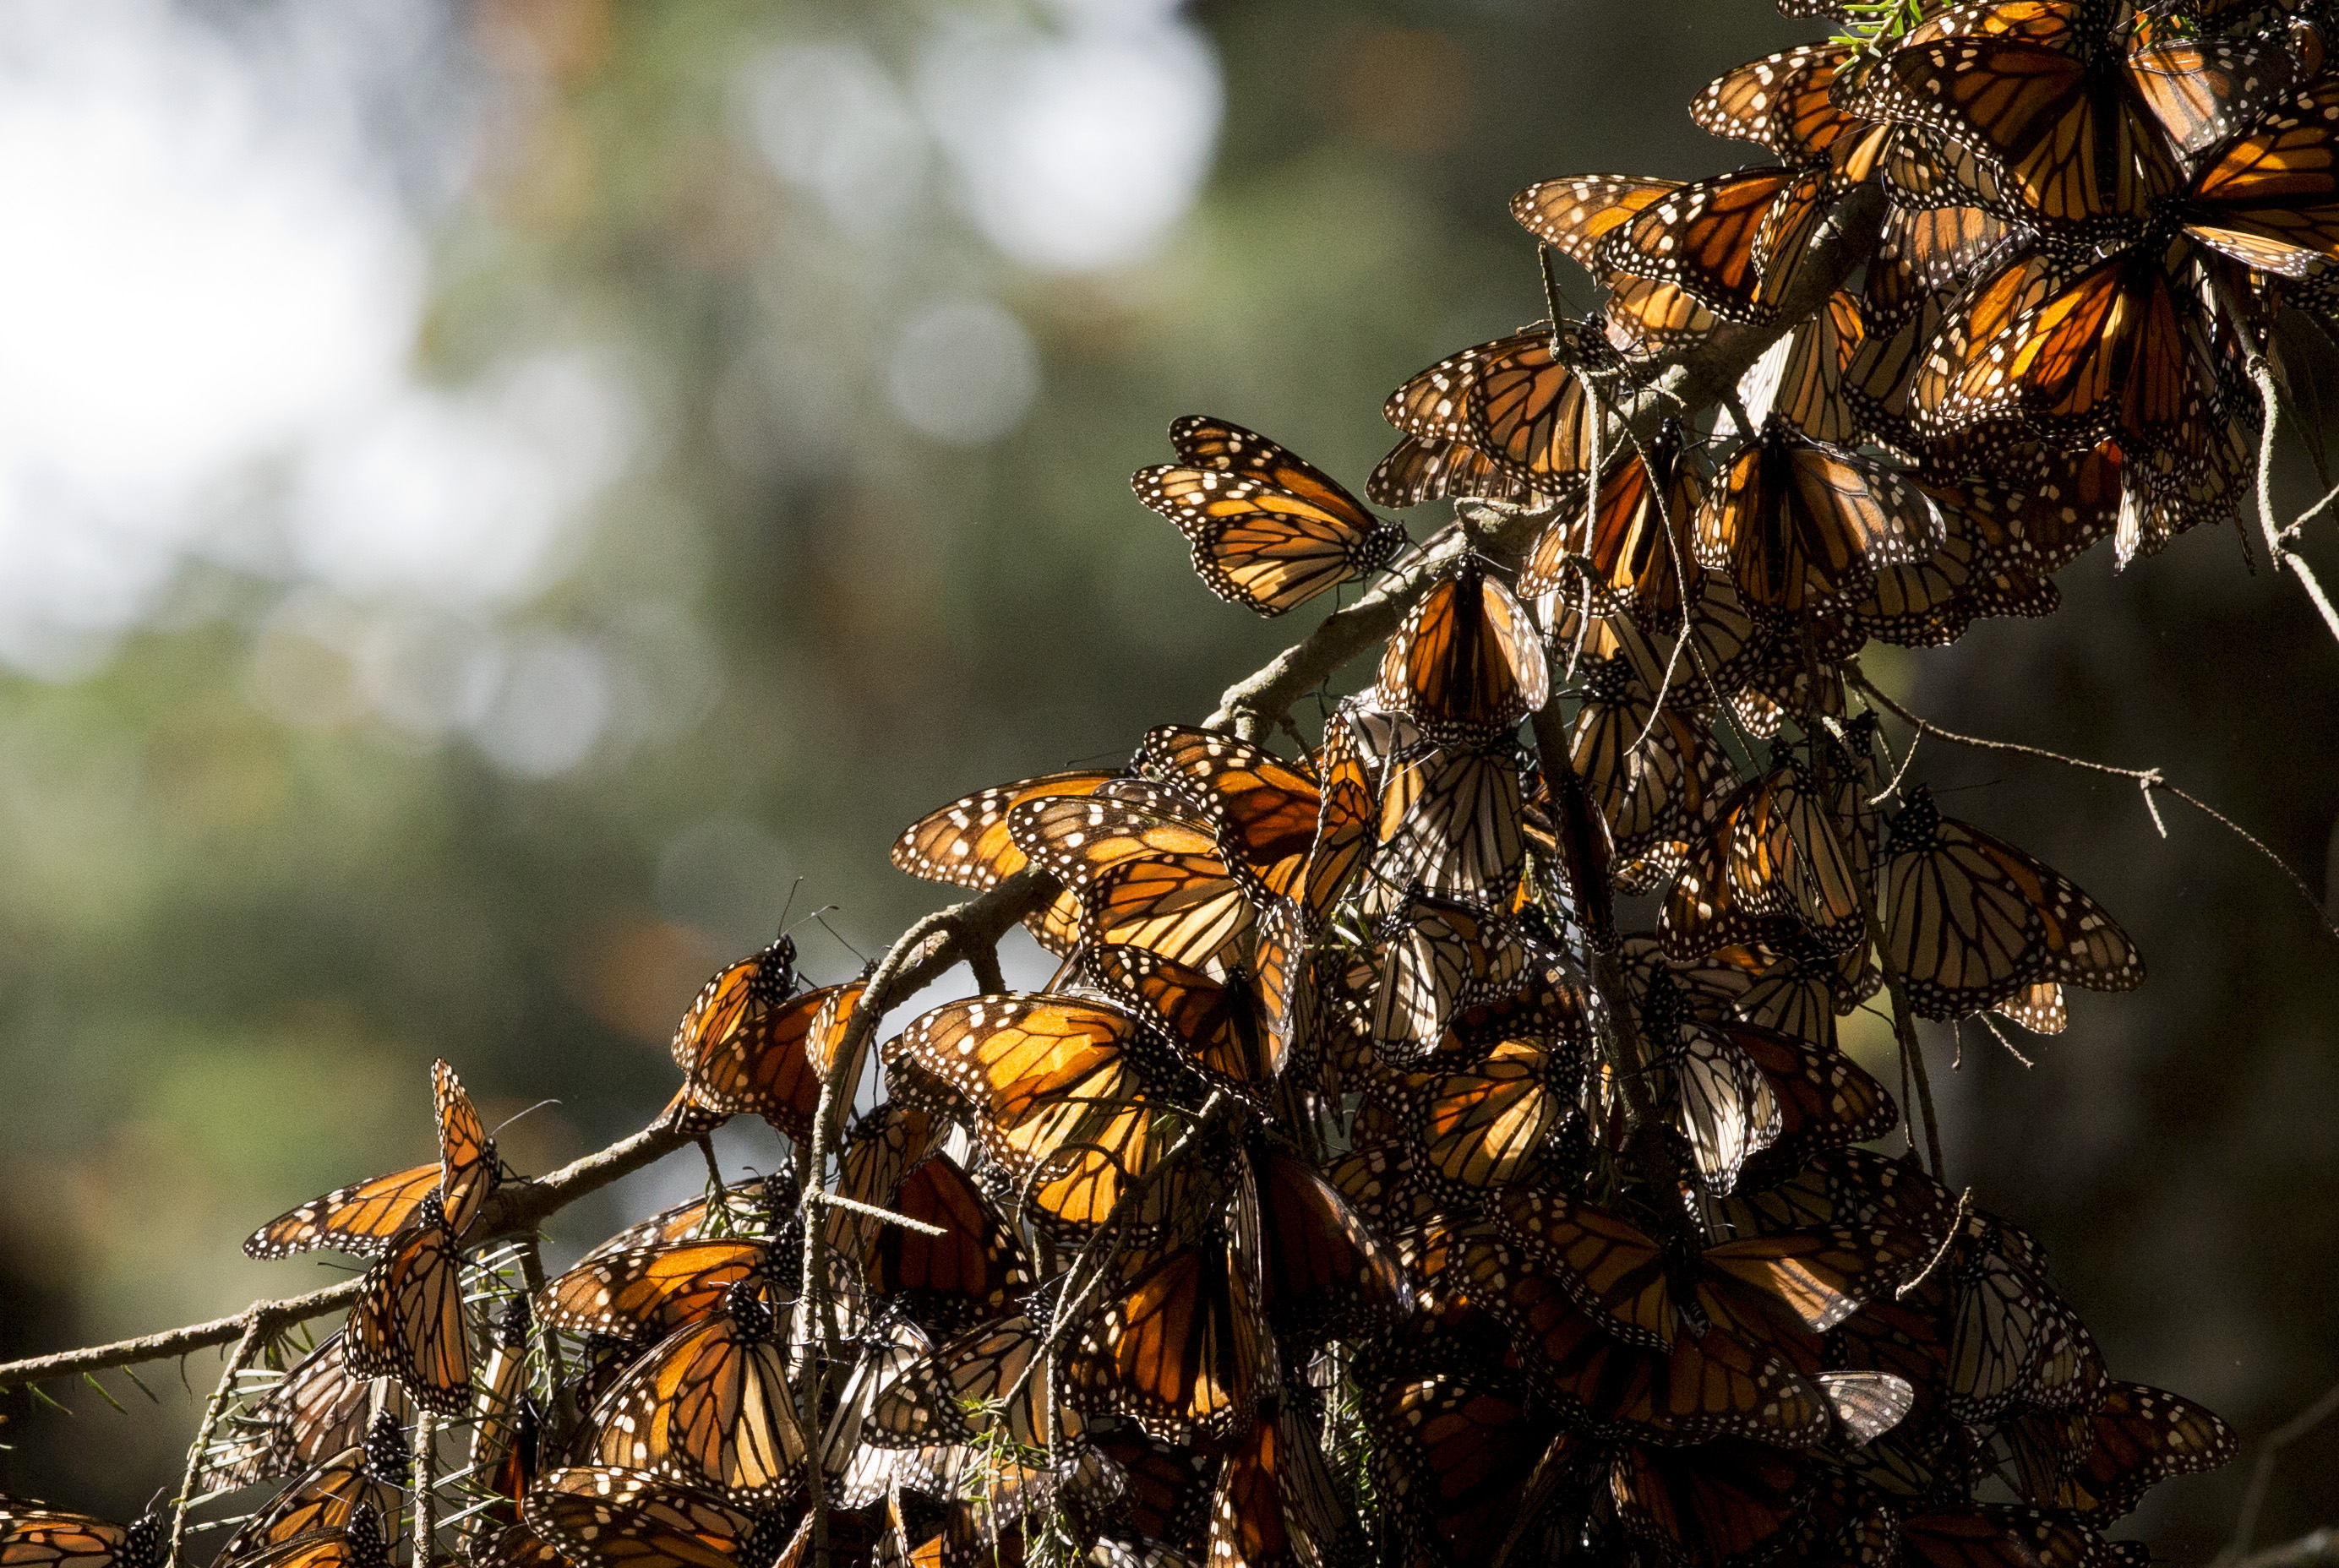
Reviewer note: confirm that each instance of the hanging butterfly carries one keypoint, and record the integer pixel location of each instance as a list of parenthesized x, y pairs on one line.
[(1489, 1123), (1735, 245), (363, 1219), (357, 1542), (1428, 467), (1179, 1344), (769, 1056), (967, 843), (746, 1210), (410, 1322), (1637, 552), (1453, 1454), (1438, 956), (1772, 1290), (1656, 777), (960, 1394), (1727, 1501), (1799, 526), (1266, 809), (1068, 1097), (1465, 665), (645, 1293), (1145, 875), (974, 1269), (620, 1518), (2098, 1464), (1779, 871), (35, 1537), (367, 1475), (1275, 1505), (1784, 104), (711, 1407), (1321, 1271), (2042, 89), (2270, 199), (317, 1408), (1971, 922), (1269, 532), (1219, 1023), (1516, 403)]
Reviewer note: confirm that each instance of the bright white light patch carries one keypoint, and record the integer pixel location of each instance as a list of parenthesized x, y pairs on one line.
[(964, 372), (1082, 145)]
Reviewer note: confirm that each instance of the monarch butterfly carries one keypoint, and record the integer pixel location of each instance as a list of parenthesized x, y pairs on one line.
[(367, 1475), (1798, 527), (1347, 820), (1698, 1384), (317, 1408), (1722, 1501), (1436, 956), (33, 1536), (648, 1292), (967, 843), (1424, 467), (1487, 1124), (1266, 809), (892, 1140), (1164, 1491), (2120, 350), (1720, 1098), (1972, 922), (1515, 402), (410, 1321), (746, 1208), (1180, 1345), (973, 1270), (1321, 1271), (1782, 103), (1066, 1096), (1806, 376), (772, 1054), (2044, 89), (1777, 871), (1454, 1453), (1269, 532), (1734, 243), (619, 1518), (1220, 1024), (1574, 214), (711, 1407), (2098, 1464), (1452, 823), (955, 1395), (505, 1423), (2270, 199), (364, 1217), (1655, 793), (1990, 1535), (1465, 666), (1275, 1504), (1144, 877), (1843, 1188), (2006, 1333), (1637, 551), (2203, 91), (1767, 1290), (356, 1542)]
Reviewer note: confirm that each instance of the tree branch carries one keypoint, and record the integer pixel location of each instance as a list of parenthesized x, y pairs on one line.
[(2145, 779), (519, 1208), (2278, 546)]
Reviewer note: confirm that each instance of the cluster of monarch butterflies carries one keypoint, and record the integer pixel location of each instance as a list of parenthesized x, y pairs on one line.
[(1360, 1189)]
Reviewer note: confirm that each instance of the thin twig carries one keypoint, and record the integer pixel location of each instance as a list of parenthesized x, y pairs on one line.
[(177, 1342), (2145, 779), (1941, 1252), (838, 1200), (2269, 395), (245, 1345), (2245, 1523), (425, 1480)]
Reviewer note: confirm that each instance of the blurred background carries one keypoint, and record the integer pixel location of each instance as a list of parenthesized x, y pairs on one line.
[(492, 495)]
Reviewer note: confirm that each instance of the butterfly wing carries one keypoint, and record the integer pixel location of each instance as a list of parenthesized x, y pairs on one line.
[(409, 1322), (467, 1155)]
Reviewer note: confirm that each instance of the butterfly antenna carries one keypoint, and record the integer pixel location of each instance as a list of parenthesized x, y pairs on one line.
[(516, 1115), (790, 905), (832, 930)]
